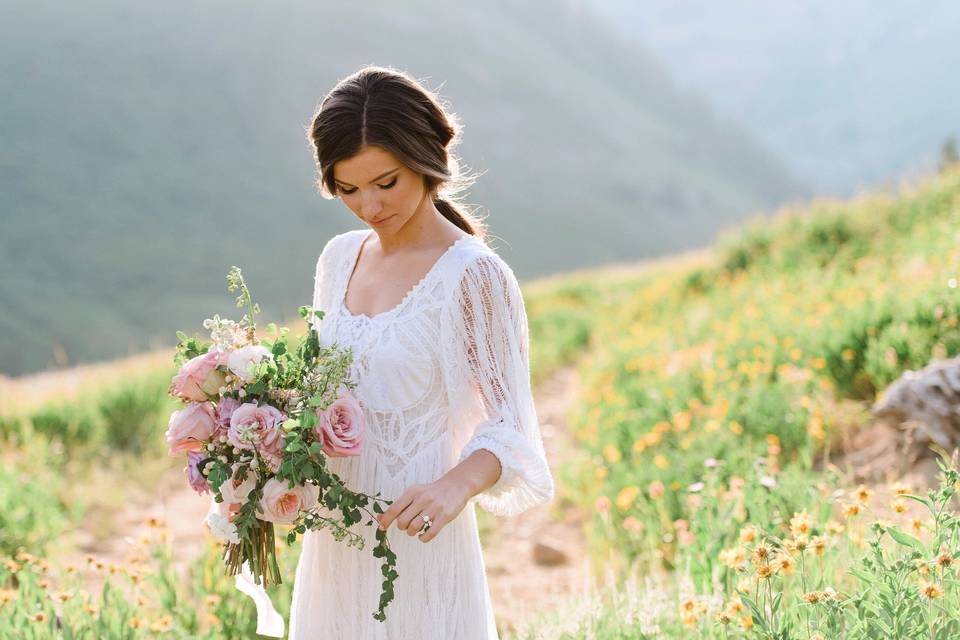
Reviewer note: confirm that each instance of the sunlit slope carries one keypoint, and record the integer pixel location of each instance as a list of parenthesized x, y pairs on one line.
[(780, 339)]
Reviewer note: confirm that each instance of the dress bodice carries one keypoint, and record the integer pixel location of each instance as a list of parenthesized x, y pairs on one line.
[(397, 359)]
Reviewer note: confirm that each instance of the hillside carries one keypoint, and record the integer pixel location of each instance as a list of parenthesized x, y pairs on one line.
[(847, 93), (148, 148)]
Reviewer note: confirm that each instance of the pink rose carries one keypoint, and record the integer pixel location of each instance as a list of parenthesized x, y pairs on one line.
[(281, 504), (235, 490), (190, 428), (199, 379), (254, 426), (341, 427)]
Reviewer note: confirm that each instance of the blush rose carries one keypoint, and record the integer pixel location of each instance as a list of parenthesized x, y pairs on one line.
[(190, 428), (341, 426), (199, 379)]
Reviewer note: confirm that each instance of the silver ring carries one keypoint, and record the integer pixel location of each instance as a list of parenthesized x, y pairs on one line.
[(427, 523)]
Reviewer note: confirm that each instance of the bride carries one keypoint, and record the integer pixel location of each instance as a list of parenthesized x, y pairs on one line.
[(438, 329)]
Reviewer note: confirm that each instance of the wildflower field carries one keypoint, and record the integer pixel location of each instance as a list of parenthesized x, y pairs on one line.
[(715, 392), (714, 396)]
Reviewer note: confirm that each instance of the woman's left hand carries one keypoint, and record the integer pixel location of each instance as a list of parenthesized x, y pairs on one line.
[(442, 500)]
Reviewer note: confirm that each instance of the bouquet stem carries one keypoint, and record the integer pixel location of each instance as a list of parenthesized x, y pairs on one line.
[(259, 551)]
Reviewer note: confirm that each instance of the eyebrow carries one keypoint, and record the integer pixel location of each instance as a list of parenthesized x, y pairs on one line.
[(382, 175)]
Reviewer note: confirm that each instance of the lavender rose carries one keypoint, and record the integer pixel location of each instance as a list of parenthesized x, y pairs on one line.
[(225, 409), (197, 482)]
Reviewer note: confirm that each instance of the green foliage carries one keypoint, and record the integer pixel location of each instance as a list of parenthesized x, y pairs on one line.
[(32, 515), (134, 414)]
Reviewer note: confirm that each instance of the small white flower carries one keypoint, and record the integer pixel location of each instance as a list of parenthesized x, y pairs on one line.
[(222, 529), (696, 486), (242, 393), (768, 481), (710, 463)]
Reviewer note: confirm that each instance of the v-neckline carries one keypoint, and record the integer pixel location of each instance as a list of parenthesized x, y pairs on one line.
[(353, 266)]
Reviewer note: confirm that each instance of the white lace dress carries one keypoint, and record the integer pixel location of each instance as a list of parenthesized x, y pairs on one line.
[(442, 374)]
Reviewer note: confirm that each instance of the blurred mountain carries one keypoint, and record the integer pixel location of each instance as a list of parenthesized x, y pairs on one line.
[(149, 147), (848, 94)]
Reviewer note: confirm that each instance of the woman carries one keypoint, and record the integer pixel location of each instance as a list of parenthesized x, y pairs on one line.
[(438, 330)]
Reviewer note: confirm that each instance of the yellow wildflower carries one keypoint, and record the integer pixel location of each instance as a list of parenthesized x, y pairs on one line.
[(800, 523), (611, 453), (930, 590), (626, 496), (748, 534)]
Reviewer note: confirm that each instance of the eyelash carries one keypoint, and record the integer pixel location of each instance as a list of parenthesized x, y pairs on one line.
[(382, 186)]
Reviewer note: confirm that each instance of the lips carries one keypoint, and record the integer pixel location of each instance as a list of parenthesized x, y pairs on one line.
[(387, 219)]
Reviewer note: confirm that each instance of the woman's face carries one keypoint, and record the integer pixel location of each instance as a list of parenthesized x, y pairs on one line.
[(378, 188)]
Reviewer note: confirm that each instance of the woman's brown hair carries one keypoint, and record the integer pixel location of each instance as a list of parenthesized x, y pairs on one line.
[(386, 108)]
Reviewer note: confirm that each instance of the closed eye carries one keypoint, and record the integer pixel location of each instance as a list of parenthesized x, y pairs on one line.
[(389, 185)]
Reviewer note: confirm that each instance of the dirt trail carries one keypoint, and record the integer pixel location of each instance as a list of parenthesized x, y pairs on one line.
[(538, 557), (532, 559)]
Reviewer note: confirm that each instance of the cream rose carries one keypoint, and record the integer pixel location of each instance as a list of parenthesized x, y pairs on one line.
[(235, 490), (239, 360), (281, 503), (190, 428), (199, 379)]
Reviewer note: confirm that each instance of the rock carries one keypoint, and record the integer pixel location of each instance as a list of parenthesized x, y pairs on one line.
[(926, 404), (547, 555)]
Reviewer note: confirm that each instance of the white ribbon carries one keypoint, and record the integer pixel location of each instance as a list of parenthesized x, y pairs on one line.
[(269, 621)]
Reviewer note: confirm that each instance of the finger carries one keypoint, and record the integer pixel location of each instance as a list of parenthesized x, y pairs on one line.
[(417, 522), (388, 516), (432, 532), (410, 519)]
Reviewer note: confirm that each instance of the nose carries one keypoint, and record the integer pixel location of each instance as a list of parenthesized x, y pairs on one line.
[(370, 204)]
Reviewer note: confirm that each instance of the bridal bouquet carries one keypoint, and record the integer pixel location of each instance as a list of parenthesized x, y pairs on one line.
[(261, 417)]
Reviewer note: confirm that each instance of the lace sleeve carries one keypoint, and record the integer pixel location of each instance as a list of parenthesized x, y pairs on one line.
[(323, 278), (491, 357)]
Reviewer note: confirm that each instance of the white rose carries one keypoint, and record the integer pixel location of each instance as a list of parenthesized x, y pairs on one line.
[(222, 529), (240, 360)]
